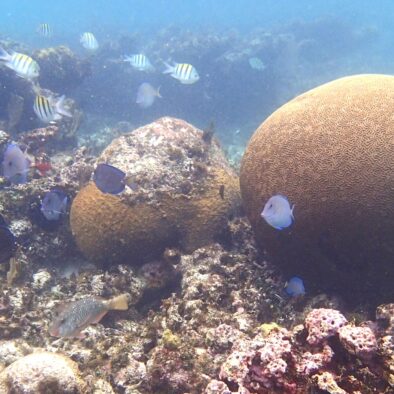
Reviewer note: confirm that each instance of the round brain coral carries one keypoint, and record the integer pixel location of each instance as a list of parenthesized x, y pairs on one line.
[(331, 152), (183, 191)]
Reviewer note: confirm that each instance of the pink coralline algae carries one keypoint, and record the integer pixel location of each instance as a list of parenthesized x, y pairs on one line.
[(325, 353), (359, 341), (322, 324)]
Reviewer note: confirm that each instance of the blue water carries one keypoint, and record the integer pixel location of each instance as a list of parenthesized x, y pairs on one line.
[(330, 39)]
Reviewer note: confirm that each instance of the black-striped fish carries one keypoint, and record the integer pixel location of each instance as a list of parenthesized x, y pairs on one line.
[(44, 30), (139, 62), (22, 64), (88, 41), (49, 109), (183, 72)]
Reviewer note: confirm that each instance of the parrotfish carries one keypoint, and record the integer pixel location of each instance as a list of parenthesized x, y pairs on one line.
[(277, 212), (7, 242), (76, 316), (54, 204), (89, 41), (22, 64), (139, 62), (147, 94), (183, 72), (15, 164), (295, 287)]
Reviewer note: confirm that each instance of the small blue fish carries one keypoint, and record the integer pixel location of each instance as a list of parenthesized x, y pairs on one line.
[(295, 287), (7, 242), (54, 204), (146, 95), (109, 179), (15, 164), (277, 212)]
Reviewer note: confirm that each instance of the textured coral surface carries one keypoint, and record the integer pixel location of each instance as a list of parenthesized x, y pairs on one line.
[(175, 196), (330, 151)]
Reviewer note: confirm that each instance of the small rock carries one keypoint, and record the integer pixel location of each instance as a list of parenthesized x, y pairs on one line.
[(42, 372)]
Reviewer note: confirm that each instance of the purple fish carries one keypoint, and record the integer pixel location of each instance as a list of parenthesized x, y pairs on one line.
[(54, 204), (15, 164)]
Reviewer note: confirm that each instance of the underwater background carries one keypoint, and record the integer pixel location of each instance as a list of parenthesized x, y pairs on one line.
[(196, 197)]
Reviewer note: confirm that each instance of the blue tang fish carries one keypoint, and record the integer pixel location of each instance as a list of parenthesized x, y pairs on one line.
[(277, 212), (295, 287), (109, 179), (7, 242), (146, 95), (15, 164), (54, 204)]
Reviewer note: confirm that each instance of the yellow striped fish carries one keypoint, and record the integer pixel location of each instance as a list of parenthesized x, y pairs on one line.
[(22, 64), (49, 109), (44, 30), (139, 62), (183, 72), (88, 41)]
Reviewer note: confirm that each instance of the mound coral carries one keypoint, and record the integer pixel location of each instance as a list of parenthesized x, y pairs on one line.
[(330, 151), (182, 192)]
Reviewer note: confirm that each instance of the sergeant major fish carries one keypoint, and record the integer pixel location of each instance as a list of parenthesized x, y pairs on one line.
[(277, 212), (89, 41), (49, 109), (44, 30), (76, 316), (183, 72), (139, 62), (22, 64)]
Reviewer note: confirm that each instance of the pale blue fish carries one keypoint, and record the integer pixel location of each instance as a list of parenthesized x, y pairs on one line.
[(295, 287), (146, 95), (257, 64), (15, 164), (54, 204), (22, 64), (183, 72), (89, 41), (140, 62), (278, 213), (44, 30), (50, 109)]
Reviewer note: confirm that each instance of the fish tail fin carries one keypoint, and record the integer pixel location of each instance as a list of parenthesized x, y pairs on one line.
[(158, 92), (60, 107), (4, 55), (169, 69), (120, 303)]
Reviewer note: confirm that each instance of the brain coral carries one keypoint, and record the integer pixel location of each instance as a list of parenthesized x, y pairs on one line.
[(331, 151), (183, 191)]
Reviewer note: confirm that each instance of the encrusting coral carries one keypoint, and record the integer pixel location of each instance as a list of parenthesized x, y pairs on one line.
[(174, 197)]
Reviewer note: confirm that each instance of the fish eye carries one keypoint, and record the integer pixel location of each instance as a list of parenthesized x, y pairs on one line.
[(10, 163)]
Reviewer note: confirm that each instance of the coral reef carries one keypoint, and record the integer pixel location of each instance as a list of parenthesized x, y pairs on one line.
[(320, 150), (283, 361), (42, 372), (174, 197), (61, 69)]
